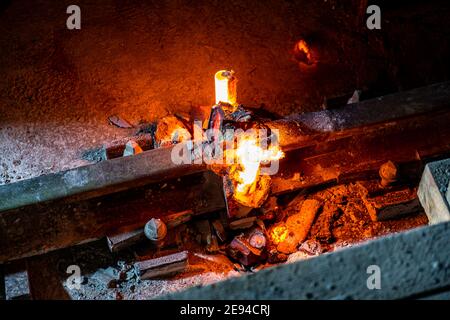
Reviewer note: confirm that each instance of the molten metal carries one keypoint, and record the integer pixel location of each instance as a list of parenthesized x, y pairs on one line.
[(225, 84), (249, 155)]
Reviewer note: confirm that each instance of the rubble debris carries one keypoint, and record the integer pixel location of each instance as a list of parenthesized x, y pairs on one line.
[(219, 259), (219, 230), (176, 219), (127, 271), (388, 173), (278, 233), (322, 228), (109, 277), (241, 114), (392, 204), (203, 234), (212, 245), (257, 194), (119, 296), (124, 240), (276, 257), (311, 247), (155, 230), (119, 122), (244, 223), (298, 226), (370, 188), (162, 266), (297, 256), (132, 148), (296, 176), (204, 228), (242, 250), (116, 148), (270, 209), (170, 130), (355, 97), (234, 209)]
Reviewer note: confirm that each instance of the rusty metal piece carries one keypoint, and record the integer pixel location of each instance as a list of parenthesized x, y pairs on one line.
[(298, 226), (162, 266), (244, 223), (119, 122), (392, 204), (234, 209), (388, 173), (155, 230), (219, 230), (124, 240), (171, 130), (212, 245), (257, 239), (322, 228), (247, 251), (132, 148), (204, 229), (176, 219), (116, 148)]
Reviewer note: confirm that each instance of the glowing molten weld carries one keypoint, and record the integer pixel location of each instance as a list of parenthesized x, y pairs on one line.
[(249, 155)]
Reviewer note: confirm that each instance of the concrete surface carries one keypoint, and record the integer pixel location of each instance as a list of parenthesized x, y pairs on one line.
[(432, 189), (410, 263), (447, 195)]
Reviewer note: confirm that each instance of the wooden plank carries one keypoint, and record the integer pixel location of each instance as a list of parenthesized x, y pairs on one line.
[(43, 279)]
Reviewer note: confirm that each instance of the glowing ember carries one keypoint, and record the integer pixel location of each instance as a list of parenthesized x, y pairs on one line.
[(303, 53), (225, 84), (279, 234)]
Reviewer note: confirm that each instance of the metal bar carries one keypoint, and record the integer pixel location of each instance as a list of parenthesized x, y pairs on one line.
[(308, 128), (96, 179)]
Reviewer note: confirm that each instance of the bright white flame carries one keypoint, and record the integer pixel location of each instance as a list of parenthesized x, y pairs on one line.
[(250, 156)]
